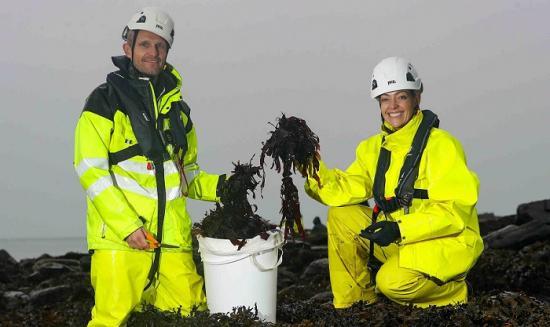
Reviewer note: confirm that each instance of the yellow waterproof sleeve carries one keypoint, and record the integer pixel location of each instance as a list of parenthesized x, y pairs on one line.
[(91, 162), (200, 184), (340, 188)]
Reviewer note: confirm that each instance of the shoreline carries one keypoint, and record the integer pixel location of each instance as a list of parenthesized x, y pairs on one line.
[(31, 248)]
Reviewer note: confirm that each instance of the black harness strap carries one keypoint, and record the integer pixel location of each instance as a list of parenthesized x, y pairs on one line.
[(161, 196), (420, 194), (129, 152), (372, 263), (409, 172), (141, 120), (405, 191), (382, 166)]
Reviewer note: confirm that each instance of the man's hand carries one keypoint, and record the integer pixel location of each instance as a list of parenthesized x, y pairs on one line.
[(138, 240), (382, 233)]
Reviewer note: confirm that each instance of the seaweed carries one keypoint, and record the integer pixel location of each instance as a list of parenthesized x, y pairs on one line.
[(292, 146), (235, 218)]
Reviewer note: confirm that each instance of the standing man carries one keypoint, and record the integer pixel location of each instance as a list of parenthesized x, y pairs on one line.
[(422, 237), (135, 155)]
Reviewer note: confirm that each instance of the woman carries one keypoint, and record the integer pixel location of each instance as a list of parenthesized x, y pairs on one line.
[(422, 238)]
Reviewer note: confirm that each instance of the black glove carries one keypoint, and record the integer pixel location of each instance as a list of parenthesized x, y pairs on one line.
[(382, 233)]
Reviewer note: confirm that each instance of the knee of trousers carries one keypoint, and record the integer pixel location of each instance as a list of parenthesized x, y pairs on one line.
[(398, 284)]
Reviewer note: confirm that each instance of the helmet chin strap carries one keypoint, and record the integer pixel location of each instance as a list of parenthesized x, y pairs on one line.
[(134, 40)]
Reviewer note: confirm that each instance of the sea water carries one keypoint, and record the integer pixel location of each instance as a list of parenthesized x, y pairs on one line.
[(25, 248)]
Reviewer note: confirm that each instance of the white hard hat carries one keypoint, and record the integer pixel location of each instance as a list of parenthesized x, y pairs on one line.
[(393, 74), (153, 20)]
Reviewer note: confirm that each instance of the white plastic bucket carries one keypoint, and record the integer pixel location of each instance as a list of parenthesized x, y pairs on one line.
[(245, 277)]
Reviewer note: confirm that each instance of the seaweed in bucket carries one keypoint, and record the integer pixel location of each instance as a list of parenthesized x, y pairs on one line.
[(235, 219), (292, 146)]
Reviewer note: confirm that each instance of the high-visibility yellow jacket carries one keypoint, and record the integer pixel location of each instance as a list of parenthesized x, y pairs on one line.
[(121, 187), (440, 235)]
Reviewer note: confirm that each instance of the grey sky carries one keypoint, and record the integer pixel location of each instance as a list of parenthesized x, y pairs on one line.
[(485, 66)]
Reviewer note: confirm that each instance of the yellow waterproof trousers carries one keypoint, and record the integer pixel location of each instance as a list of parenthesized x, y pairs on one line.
[(119, 277), (350, 278)]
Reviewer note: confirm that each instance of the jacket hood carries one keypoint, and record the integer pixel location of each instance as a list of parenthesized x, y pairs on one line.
[(125, 65)]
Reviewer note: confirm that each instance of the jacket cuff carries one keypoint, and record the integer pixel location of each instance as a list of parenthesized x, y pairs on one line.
[(221, 181), (135, 225)]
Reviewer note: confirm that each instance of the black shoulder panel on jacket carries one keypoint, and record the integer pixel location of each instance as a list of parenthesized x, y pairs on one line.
[(100, 102), (185, 108), (187, 111)]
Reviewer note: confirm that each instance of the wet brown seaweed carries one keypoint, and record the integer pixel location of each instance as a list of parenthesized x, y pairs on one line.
[(235, 218), (150, 316), (292, 146)]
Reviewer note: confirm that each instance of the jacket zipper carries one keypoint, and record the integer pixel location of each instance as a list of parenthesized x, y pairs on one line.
[(174, 156)]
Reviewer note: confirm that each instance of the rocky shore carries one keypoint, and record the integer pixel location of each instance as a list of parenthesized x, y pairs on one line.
[(509, 286)]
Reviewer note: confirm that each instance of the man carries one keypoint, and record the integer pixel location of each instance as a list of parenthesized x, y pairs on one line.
[(135, 155), (426, 237)]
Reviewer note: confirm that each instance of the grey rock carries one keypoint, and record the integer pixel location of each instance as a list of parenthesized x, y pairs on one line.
[(316, 268), (85, 263), (50, 295), (6, 258), (14, 299), (537, 210), (285, 277), (517, 236), (46, 268), (56, 265), (488, 222), (532, 224), (9, 267)]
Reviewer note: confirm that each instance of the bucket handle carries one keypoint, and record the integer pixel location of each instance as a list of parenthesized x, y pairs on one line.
[(277, 264), (224, 262), (279, 243), (253, 255)]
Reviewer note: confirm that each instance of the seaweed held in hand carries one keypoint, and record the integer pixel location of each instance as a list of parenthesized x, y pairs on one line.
[(292, 146), (290, 207), (235, 218)]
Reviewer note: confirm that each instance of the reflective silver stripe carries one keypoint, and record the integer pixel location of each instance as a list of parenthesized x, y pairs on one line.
[(173, 193), (191, 171), (170, 168), (87, 163), (128, 184), (141, 167), (136, 167), (99, 186)]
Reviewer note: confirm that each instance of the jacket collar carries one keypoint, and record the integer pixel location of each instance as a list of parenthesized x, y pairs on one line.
[(168, 78), (402, 138)]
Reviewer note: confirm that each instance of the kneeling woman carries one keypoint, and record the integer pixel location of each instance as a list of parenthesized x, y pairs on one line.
[(422, 237)]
